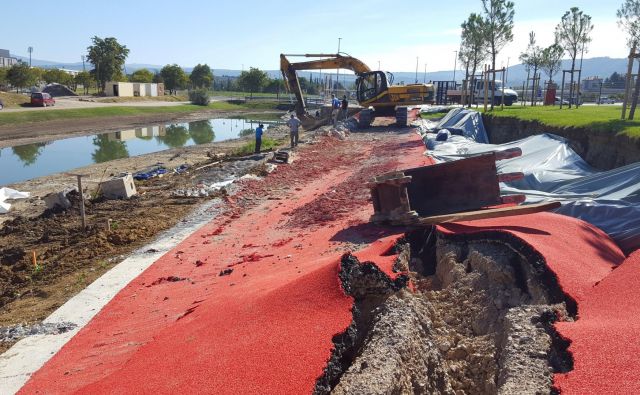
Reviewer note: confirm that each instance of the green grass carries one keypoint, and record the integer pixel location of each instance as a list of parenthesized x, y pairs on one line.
[(250, 147), (12, 118), (604, 119)]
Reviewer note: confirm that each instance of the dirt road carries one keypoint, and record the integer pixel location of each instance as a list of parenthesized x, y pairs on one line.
[(65, 103)]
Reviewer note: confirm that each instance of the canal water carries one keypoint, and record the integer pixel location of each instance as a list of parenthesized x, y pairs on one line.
[(25, 162)]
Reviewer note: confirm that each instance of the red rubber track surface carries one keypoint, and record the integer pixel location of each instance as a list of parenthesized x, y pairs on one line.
[(267, 327)]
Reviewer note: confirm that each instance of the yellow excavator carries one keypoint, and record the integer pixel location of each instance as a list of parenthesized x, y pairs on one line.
[(373, 88)]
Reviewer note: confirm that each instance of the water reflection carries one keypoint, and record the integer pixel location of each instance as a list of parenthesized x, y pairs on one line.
[(108, 148), (175, 136), (201, 132), (25, 162), (28, 153)]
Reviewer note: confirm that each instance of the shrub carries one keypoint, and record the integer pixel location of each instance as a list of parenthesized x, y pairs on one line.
[(199, 97)]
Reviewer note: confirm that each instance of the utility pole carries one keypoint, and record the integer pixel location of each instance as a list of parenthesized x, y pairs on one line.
[(417, 60), (455, 64), (83, 68), (424, 77), (338, 70), (30, 50)]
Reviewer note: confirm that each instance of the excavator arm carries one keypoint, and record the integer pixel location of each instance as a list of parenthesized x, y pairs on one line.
[(331, 61)]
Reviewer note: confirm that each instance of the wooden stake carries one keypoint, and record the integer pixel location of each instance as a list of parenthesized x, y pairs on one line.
[(35, 260), (82, 214)]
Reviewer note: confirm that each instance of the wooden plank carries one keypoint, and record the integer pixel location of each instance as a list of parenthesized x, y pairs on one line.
[(489, 213)]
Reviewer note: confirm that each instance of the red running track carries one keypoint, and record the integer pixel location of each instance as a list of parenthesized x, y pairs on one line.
[(267, 326)]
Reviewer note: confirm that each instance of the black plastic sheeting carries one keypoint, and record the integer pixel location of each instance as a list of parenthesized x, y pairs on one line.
[(609, 200)]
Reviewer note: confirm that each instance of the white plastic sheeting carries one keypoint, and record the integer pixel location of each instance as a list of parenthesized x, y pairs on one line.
[(8, 193), (609, 200)]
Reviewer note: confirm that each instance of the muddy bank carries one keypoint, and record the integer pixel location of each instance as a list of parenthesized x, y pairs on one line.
[(36, 132), (479, 321), (603, 150)]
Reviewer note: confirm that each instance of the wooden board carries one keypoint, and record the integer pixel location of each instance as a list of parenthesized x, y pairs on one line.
[(489, 213)]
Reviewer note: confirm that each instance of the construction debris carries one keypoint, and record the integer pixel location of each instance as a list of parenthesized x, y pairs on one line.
[(447, 192), (121, 187), (8, 193), (59, 200)]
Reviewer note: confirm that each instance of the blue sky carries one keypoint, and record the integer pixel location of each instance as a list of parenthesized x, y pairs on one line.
[(230, 34)]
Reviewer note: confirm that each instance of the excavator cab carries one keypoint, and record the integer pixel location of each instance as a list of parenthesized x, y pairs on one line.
[(371, 85)]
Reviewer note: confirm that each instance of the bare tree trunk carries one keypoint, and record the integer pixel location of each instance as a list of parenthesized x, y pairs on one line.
[(473, 84), (636, 91), (627, 85), (493, 68), (524, 92), (573, 67)]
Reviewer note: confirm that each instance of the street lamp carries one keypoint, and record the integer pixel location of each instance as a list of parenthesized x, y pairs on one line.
[(455, 64), (417, 59), (30, 50), (424, 77)]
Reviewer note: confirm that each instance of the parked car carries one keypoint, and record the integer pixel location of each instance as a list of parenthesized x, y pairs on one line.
[(606, 100), (42, 99), (1, 105), (564, 102)]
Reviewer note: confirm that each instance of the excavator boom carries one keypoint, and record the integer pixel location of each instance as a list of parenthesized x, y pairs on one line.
[(372, 87)]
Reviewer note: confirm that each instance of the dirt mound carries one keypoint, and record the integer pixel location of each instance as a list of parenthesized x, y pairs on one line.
[(57, 90)]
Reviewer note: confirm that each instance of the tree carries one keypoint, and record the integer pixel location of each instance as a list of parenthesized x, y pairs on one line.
[(175, 136), (629, 21), (28, 153), (157, 78), (174, 78), (201, 76), (497, 27), (3, 75), (141, 75), (108, 57), (275, 86), (253, 80), (531, 59), (552, 60), (573, 34), (201, 132), (471, 52), (108, 149), (58, 76), (84, 78), (20, 75)]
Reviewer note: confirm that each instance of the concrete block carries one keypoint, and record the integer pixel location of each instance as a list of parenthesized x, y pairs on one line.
[(121, 187)]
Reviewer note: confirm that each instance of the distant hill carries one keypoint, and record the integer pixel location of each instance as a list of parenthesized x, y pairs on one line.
[(602, 67)]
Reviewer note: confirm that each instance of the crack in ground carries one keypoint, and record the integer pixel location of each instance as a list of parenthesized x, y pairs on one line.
[(480, 320)]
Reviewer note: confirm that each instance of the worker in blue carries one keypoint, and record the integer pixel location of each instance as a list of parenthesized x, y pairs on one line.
[(259, 131), (335, 109)]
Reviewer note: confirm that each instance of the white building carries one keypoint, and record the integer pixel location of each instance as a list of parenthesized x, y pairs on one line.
[(130, 89), (6, 60)]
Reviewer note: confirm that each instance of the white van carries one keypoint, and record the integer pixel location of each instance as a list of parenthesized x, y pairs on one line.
[(510, 96)]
